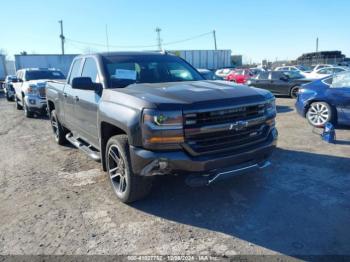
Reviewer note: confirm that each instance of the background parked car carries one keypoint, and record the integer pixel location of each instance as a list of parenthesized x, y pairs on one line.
[(320, 66), (239, 76), (326, 100), (8, 87), (208, 75), (223, 72), (279, 82), (301, 69), (324, 72)]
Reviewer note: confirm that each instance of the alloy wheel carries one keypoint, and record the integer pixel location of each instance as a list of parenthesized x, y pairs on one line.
[(54, 125), (116, 170), (318, 114)]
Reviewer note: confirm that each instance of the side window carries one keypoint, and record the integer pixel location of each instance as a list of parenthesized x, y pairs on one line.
[(75, 72), (263, 76), (275, 75), (337, 70), (323, 71), (90, 70)]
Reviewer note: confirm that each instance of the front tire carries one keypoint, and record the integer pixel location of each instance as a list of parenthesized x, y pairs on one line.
[(128, 186), (319, 113), (58, 130), (27, 112), (18, 105)]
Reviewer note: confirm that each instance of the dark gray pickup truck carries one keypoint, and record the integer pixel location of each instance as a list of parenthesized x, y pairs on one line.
[(148, 114)]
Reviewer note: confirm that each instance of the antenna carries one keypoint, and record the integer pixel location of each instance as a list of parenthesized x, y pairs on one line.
[(159, 40), (107, 39)]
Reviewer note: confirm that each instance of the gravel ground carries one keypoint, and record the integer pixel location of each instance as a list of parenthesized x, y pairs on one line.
[(55, 200)]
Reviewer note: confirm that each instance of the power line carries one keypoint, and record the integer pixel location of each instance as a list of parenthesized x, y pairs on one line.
[(139, 46)]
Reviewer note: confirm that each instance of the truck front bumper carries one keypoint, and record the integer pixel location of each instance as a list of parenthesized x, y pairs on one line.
[(150, 163), (35, 103)]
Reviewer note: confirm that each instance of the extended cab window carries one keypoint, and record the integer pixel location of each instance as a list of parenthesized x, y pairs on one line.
[(90, 70), (75, 72)]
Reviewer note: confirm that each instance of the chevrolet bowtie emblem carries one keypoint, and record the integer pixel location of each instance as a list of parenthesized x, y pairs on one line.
[(238, 125)]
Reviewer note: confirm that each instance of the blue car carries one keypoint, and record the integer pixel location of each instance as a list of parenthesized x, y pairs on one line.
[(326, 100)]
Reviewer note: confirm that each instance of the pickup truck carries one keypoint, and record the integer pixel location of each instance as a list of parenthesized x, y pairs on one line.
[(146, 114), (29, 88)]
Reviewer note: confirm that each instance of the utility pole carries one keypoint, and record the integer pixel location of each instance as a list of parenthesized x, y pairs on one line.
[(159, 40), (107, 39), (316, 44), (214, 35), (62, 36)]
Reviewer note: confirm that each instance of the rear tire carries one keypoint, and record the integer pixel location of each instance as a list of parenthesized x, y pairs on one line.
[(127, 186), (58, 130), (319, 113), (294, 92)]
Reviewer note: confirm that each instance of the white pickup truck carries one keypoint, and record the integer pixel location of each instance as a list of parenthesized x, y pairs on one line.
[(30, 94)]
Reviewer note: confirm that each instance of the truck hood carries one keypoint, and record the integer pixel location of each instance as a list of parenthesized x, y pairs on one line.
[(196, 93), (42, 82)]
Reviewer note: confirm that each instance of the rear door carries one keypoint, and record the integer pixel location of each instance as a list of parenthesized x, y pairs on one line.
[(18, 85), (86, 105)]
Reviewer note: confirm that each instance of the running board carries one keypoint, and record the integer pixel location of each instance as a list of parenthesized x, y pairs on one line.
[(89, 150)]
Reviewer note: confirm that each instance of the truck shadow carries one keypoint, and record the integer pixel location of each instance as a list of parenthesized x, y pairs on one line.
[(298, 209)]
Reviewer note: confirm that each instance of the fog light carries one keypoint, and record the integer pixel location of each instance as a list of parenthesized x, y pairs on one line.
[(163, 164), (32, 101)]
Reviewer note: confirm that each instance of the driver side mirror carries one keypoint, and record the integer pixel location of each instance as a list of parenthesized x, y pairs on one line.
[(284, 78), (83, 83)]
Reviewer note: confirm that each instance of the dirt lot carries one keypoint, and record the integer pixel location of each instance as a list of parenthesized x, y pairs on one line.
[(54, 200)]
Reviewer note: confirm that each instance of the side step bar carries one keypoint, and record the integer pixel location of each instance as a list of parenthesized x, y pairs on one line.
[(89, 150)]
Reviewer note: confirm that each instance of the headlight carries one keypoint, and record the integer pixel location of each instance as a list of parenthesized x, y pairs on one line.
[(32, 90), (162, 129), (271, 107)]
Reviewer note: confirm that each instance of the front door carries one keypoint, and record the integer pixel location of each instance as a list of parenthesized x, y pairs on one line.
[(86, 105)]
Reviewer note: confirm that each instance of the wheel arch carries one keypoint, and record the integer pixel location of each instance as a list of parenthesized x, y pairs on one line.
[(107, 130)]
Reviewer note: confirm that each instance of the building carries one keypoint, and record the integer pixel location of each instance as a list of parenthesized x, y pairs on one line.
[(324, 57)]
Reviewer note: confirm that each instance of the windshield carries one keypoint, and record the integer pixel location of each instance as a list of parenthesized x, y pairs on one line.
[(43, 74), (126, 70)]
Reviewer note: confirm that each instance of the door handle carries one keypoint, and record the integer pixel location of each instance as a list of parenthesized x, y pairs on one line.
[(65, 95), (76, 98)]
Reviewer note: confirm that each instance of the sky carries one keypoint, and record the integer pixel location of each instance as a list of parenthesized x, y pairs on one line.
[(256, 29)]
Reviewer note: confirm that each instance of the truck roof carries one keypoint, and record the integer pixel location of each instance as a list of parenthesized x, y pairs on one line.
[(130, 53)]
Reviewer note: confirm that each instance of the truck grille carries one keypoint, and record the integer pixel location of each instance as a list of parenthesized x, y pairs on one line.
[(225, 130)]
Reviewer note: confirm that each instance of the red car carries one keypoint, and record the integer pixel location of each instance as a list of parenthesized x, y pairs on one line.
[(240, 76)]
